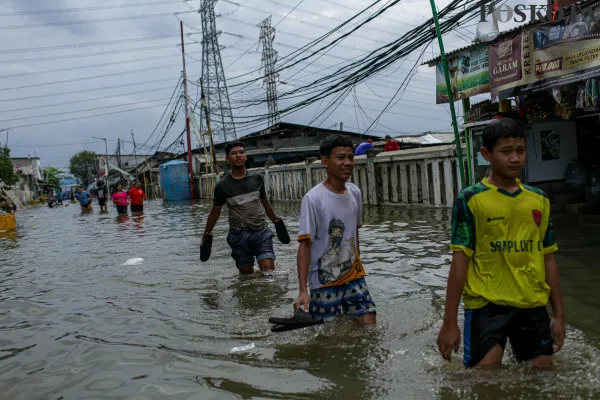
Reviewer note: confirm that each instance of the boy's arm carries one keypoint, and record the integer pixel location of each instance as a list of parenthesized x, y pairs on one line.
[(303, 261), (558, 320), (212, 219), (269, 209), (449, 337)]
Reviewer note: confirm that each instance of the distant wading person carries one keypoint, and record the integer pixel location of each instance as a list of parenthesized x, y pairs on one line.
[(503, 263), (249, 234), (136, 198), (119, 199), (102, 197), (85, 200)]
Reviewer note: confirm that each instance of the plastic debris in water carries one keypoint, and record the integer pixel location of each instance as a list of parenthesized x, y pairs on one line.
[(134, 261), (243, 348)]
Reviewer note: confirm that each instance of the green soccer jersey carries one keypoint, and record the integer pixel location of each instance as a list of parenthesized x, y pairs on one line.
[(506, 235)]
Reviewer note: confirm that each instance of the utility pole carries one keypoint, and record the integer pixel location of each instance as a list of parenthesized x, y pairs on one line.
[(187, 117), (119, 152), (210, 137), (450, 96), (134, 155), (105, 164)]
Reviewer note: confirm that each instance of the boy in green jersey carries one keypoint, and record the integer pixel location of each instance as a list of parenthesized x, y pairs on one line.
[(503, 263)]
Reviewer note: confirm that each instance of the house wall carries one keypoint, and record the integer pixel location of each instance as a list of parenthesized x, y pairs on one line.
[(25, 166), (541, 164)]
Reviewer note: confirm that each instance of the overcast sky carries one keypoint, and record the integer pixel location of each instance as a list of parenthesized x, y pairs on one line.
[(52, 77)]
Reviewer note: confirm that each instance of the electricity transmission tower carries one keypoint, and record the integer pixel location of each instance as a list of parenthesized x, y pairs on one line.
[(268, 60), (213, 76)]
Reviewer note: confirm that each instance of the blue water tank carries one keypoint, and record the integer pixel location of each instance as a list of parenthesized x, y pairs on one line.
[(175, 181)]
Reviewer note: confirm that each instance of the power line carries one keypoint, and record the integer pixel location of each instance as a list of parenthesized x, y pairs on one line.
[(85, 109), (100, 53), (93, 8), (37, 107), (177, 86), (82, 90), (90, 44), (86, 66), (92, 77), (56, 145), (84, 117), (91, 21)]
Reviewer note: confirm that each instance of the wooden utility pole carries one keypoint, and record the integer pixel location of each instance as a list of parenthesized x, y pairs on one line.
[(134, 155), (187, 117), (210, 137)]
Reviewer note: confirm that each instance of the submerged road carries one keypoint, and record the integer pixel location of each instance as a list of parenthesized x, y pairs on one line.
[(75, 323)]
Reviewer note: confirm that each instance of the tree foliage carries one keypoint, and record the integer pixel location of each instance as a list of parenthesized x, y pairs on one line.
[(7, 173), (84, 165), (52, 175)]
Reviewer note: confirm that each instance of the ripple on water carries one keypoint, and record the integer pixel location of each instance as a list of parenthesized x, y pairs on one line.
[(76, 323)]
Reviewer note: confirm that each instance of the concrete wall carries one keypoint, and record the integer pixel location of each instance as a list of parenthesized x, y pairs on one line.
[(426, 177)]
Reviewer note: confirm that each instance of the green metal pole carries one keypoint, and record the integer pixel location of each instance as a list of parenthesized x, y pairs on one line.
[(469, 157), (449, 88), (466, 107)]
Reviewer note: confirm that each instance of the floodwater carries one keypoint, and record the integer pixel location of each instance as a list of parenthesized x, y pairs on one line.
[(75, 323)]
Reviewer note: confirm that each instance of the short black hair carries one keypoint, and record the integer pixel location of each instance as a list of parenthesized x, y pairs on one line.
[(333, 141), (100, 184), (500, 129), (231, 145), (387, 137)]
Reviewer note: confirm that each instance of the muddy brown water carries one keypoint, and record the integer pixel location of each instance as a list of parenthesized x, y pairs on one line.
[(75, 323)]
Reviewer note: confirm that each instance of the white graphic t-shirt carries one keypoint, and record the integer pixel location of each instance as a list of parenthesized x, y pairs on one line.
[(329, 220)]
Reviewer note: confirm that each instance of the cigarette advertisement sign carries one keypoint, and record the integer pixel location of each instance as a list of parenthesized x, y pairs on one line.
[(469, 75), (546, 56)]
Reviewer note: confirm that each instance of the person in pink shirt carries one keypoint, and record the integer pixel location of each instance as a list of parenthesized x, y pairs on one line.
[(119, 199)]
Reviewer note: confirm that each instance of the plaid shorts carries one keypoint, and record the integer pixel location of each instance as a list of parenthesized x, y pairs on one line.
[(351, 298)]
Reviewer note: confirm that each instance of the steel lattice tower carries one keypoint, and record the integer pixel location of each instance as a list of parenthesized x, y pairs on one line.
[(213, 76), (268, 60)]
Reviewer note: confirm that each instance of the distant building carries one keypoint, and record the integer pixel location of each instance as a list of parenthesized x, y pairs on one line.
[(25, 165), (127, 161), (283, 143), (30, 178)]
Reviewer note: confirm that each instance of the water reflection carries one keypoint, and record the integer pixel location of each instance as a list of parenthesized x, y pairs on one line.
[(75, 322)]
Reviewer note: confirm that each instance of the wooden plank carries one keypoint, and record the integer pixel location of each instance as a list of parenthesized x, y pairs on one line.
[(267, 188), (414, 185), (404, 183), (425, 182), (437, 201), (449, 180), (385, 183), (363, 184), (309, 180), (372, 184), (394, 182)]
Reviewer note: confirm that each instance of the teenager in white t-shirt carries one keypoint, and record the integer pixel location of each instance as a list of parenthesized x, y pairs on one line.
[(329, 261)]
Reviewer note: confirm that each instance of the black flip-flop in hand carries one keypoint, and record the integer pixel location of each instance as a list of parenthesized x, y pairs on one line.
[(282, 233), (301, 319), (205, 247)]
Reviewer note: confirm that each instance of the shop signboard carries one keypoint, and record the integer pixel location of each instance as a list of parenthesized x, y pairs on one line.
[(546, 56), (469, 75)]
